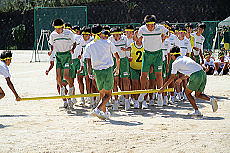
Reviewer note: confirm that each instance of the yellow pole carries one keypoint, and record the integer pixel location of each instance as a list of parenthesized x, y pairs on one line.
[(97, 94)]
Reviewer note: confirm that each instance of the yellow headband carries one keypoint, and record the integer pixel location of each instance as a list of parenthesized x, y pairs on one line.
[(57, 27), (171, 31), (6, 58), (182, 31), (176, 30), (175, 53), (113, 33), (85, 33), (150, 22), (129, 30)]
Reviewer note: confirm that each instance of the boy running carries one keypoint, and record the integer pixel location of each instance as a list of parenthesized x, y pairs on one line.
[(99, 55), (197, 79), (6, 57)]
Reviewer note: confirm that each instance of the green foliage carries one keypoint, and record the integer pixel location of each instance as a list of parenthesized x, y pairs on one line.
[(22, 5), (18, 34)]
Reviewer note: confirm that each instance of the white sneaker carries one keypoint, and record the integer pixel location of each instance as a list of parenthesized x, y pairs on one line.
[(62, 91), (74, 100), (151, 102), (160, 100), (221, 73), (172, 100), (115, 105), (100, 114), (71, 91), (165, 102), (144, 105), (70, 104), (136, 104), (127, 104), (122, 98), (195, 113), (107, 114), (141, 97), (215, 73), (65, 104), (82, 103), (185, 97), (214, 104)]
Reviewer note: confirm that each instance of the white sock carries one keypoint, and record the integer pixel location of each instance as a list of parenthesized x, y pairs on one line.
[(173, 98), (160, 96)]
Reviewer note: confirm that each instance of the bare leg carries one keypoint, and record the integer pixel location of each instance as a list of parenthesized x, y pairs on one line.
[(126, 85), (80, 83), (202, 96), (105, 96), (67, 78), (191, 98), (115, 89)]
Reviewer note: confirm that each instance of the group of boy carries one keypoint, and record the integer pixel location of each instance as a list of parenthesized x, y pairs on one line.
[(138, 58)]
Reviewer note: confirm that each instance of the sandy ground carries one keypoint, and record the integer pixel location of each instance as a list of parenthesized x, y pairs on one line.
[(41, 126)]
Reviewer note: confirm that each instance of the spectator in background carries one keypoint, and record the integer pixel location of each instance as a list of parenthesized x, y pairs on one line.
[(221, 65), (208, 65)]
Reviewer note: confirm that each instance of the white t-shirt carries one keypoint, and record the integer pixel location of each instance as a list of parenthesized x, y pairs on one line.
[(185, 65), (62, 42), (152, 40), (4, 70), (165, 48), (210, 63), (185, 46), (80, 47), (222, 63), (174, 41), (119, 44), (101, 54), (198, 42)]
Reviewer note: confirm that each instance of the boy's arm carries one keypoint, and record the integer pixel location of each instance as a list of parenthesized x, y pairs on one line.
[(116, 71), (73, 48), (201, 56), (50, 67), (171, 79), (11, 86), (89, 66)]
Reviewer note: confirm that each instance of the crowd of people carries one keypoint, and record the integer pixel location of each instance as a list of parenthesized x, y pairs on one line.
[(154, 56)]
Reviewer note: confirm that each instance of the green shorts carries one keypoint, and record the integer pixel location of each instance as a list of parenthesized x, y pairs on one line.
[(63, 60), (124, 68), (104, 79), (197, 58), (197, 81), (152, 75), (152, 58), (135, 74), (164, 69), (74, 67)]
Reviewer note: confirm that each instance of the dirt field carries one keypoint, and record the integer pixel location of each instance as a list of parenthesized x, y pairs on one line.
[(41, 126)]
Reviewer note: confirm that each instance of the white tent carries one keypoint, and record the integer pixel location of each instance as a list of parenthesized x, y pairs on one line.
[(225, 22)]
